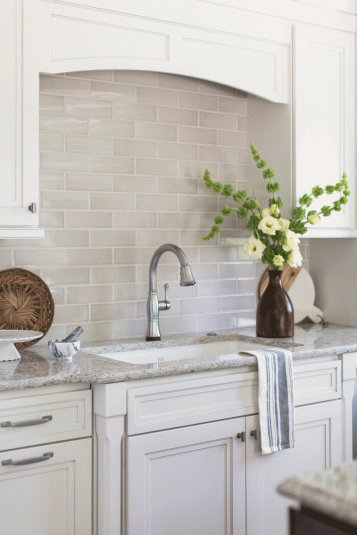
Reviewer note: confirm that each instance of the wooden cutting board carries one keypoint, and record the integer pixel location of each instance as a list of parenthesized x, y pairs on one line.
[(300, 287)]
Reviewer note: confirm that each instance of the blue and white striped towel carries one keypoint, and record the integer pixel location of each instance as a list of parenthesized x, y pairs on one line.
[(275, 399)]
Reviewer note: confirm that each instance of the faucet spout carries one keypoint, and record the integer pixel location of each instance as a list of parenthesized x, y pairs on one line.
[(153, 303)]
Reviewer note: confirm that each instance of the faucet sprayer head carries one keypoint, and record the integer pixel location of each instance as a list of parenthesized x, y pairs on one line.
[(187, 278)]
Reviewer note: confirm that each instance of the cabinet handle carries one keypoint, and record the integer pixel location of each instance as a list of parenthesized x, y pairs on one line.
[(33, 208), (256, 434), (27, 423), (242, 436), (33, 460)]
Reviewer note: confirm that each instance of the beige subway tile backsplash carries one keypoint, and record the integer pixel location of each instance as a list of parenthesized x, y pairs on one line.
[(122, 158)]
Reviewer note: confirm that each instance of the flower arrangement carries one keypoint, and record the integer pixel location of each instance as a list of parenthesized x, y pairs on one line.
[(275, 240)]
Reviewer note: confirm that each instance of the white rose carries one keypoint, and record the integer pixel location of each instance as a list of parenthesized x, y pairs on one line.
[(253, 248), (292, 241), (295, 259), (313, 219), (265, 212), (278, 260), (274, 209), (268, 225), (283, 224)]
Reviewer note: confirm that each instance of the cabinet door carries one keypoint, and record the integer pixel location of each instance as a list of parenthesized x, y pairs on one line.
[(317, 446), (181, 481), (19, 97), (51, 496), (324, 103)]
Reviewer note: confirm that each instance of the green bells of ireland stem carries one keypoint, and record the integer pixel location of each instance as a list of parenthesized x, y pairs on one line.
[(275, 240)]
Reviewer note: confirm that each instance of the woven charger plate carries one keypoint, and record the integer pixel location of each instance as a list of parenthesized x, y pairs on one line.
[(26, 303)]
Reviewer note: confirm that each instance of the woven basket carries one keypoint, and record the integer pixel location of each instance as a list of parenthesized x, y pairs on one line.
[(26, 303)]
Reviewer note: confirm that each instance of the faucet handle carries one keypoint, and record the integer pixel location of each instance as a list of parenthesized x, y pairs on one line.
[(165, 305)]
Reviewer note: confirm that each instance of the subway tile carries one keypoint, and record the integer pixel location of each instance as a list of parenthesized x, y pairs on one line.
[(246, 318), (174, 81), (111, 128), (77, 313), (204, 271), (54, 161), (160, 97), (179, 151), (246, 286), (191, 134), (233, 139), (165, 273), (134, 291), (206, 220), (177, 185), (6, 257), (88, 219), (64, 200), (224, 320), (130, 327), (135, 148), (135, 184), (156, 237), (218, 120), (51, 142), (51, 219), (88, 257), (112, 274), (190, 203), (59, 295), (63, 123), (134, 112), (87, 182), (192, 237), (51, 181), (90, 294), (233, 105), (51, 104), (177, 220), (219, 254), (150, 167), (66, 275), (66, 238), (112, 238), (199, 305), (236, 270), (145, 78), (205, 86), (141, 309), (135, 220), (236, 302), (113, 311), (113, 91), (64, 86), (110, 164), (155, 132), (39, 257), (218, 154), (243, 123), (98, 145), (93, 75), (87, 108), (164, 203), (101, 330), (198, 101), (196, 170), (112, 201), (178, 324), (133, 255), (177, 116), (229, 171)]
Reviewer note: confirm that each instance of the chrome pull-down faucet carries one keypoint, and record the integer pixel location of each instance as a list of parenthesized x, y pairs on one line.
[(153, 304)]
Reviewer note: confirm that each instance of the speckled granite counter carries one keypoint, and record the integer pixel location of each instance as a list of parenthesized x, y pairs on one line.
[(332, 491), (38, 368)]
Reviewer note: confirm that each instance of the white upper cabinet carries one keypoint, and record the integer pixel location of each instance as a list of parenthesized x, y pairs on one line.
[(19, 199), (324, 117)]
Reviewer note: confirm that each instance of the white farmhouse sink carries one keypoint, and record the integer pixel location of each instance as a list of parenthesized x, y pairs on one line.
[(225, 350)]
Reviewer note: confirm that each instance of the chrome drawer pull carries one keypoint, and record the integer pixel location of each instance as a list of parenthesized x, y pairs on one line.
[(27, 423), (10, 462), (255, 434)]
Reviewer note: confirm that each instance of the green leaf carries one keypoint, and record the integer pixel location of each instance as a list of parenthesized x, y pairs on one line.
[(217, 187)]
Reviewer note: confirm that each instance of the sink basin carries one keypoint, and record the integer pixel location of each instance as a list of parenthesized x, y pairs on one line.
[(225, 350)]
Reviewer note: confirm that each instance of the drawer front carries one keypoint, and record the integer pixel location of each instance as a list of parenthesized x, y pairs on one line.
[(187, 402), (43, 419)]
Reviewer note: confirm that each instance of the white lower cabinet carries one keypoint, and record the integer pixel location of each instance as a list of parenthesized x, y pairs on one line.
[(211, 479)]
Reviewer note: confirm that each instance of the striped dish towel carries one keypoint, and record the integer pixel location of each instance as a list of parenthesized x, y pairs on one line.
[(275, 399)]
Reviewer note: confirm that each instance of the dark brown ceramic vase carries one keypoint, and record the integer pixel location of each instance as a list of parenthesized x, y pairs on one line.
[(275, 313)]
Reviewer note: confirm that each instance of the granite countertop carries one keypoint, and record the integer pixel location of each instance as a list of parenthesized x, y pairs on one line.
[(332, 491), (38, 367)]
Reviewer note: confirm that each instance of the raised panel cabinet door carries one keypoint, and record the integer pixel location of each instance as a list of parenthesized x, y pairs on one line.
[(317, 446), (47, 490), (19, 95), (188, 481), (323, 115)]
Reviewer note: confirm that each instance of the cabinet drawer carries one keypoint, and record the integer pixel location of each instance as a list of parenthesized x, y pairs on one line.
[(187, 402), (41, 419)]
